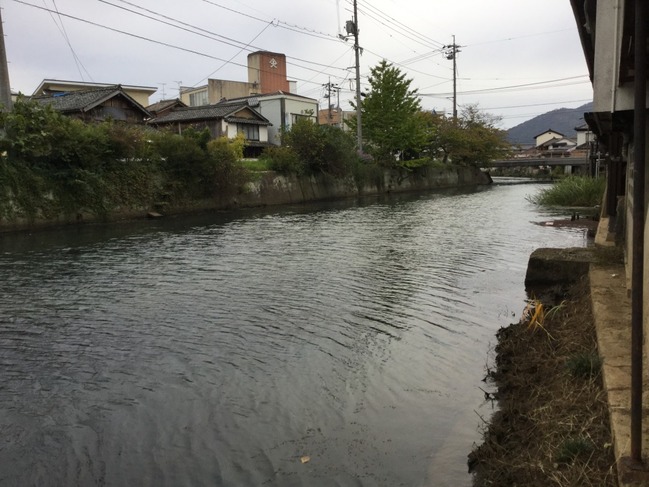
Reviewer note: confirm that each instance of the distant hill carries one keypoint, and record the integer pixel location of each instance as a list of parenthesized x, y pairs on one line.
[(563, 120)]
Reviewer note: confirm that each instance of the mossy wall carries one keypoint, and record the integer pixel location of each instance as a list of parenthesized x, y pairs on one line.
[(275, 189)]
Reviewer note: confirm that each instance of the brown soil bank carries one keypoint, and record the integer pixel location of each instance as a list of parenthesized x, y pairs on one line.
[(552, 426)]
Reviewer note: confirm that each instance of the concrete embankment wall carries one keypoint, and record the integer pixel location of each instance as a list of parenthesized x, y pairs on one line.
[(274, 189)]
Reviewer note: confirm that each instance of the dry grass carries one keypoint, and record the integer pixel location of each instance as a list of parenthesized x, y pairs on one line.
[(552, 426)]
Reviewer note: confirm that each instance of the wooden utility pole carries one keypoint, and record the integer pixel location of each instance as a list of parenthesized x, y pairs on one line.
[(5, 87)]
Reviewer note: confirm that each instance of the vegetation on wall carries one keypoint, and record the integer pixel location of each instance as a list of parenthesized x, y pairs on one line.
[(55, 166)]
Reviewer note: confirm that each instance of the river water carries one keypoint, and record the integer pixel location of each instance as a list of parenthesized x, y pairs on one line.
[(223, 350)]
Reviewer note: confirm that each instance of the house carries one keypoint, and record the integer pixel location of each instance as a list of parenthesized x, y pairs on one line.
[(97, 104), (267, 90), (546, 136), (162, 107), (281, 109), (335, 116), (222, 120), (556, 147), (613, 35), (49, 87)]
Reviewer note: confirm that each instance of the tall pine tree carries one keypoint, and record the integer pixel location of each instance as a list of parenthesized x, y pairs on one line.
[(392, 129)]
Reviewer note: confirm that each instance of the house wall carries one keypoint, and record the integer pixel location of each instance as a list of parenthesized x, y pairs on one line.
[(117, 108), (584, 136), (280, 112), (608, 95), (186, 95), (217, 89), (268, 70), (543, 138)]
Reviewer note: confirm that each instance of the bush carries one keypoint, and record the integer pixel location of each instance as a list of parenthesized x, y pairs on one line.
[(223, 171), (572, 191), (284, 160), (319, 149)]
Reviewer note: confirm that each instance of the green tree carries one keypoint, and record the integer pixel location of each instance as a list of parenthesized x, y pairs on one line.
[(391, 125), (470, 140), (308, 148)]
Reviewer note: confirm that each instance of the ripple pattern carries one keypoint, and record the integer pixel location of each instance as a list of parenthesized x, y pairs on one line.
[(217, 350)]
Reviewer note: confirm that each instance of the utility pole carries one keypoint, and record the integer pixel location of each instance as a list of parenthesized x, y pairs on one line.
[(330, 87), (5, 87), (351, 27), (357, 49), (451, 54)]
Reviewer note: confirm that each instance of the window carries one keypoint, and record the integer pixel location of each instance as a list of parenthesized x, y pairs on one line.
[(198, 99), (250, 132), (296, 116)]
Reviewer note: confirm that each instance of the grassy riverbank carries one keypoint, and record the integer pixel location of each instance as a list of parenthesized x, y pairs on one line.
[(552, 426), (572, 191)]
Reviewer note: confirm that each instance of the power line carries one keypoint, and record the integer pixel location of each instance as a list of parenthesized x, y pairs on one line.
[(240, 51), (162, 43), (61, 27), (210, 35), (391, 20), (520, 87), (538, 104), (284, 25)]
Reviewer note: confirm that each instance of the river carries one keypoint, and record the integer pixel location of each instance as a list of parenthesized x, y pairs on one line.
[(337, 344)]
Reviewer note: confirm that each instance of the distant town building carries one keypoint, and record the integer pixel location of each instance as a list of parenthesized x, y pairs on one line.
[(335, 116), (544, 137)]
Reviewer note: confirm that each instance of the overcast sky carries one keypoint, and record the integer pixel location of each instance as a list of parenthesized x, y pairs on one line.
[(518, 58)]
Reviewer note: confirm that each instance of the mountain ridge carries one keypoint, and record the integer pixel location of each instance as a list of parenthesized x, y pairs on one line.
[(562, 120)]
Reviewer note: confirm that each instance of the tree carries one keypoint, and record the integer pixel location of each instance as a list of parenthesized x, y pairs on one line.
[(314, 149), (390, 122), (470, 140)]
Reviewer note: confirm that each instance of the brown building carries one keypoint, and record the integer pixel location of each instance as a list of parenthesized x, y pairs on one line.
[(268, 71), (266, 74)]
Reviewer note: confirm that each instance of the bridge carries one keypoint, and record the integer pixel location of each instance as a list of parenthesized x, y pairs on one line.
[(535, 162)]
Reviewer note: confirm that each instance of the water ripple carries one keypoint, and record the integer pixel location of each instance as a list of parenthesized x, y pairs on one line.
[(218, 350)]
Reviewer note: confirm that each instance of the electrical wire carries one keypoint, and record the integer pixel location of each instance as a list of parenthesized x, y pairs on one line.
[(61, 27), (148, 39)]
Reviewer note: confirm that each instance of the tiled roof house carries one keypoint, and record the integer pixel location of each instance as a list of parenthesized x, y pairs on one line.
[(97, 104)]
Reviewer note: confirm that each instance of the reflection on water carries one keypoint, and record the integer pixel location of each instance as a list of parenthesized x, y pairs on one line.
[(220, 349)]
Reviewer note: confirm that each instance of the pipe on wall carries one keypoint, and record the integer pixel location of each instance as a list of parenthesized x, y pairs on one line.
[(638, 216)]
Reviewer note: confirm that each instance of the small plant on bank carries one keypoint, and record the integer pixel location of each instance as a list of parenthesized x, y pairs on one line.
[(584, 365), (572, 191), (573, 448)]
